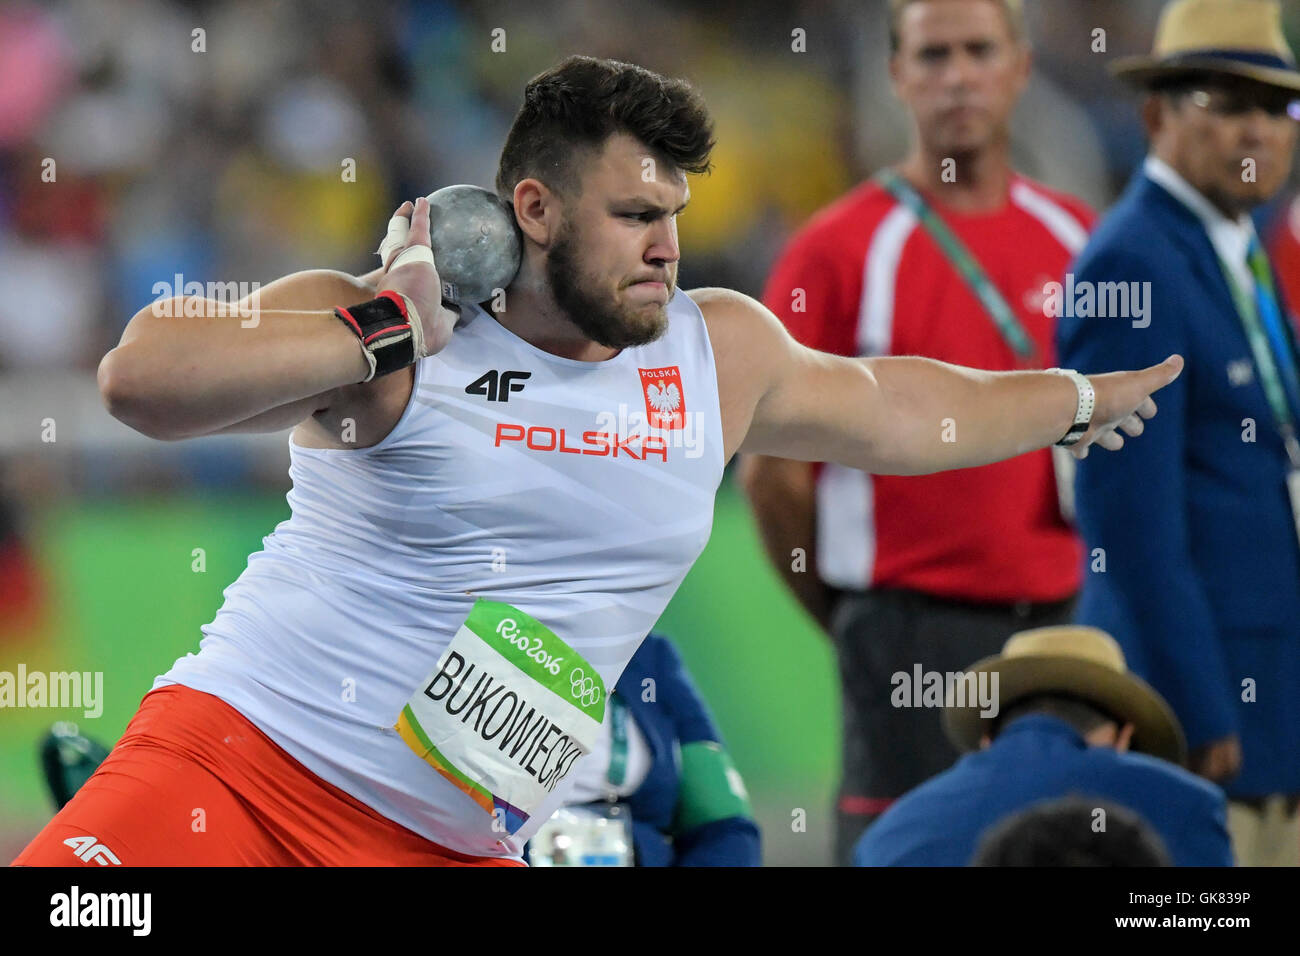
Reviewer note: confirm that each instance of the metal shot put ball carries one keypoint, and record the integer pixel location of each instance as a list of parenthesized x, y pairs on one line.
[(475, 240)]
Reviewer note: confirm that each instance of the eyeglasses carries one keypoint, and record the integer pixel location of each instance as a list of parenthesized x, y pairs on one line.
[(1238, 103)]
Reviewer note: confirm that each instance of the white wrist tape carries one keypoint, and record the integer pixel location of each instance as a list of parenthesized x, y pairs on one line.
[(413, 254), (417, 328)]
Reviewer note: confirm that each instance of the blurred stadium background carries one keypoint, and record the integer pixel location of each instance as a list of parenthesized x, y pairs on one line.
[(224, 165)]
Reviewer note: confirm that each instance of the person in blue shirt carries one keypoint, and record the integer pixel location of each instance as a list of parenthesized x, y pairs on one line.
[(661, 759), (1067, 719)]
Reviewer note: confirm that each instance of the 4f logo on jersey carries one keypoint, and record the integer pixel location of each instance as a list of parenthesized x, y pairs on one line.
[(665, 402), (91, 850), (497, 386)]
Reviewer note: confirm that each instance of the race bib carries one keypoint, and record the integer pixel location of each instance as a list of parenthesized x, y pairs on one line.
[(506, 713)]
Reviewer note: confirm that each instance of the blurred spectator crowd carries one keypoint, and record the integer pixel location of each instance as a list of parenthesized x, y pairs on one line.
[(235, 141), (134, 147)]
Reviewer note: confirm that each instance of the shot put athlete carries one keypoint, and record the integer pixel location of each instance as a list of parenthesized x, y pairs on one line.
[(490, 511)]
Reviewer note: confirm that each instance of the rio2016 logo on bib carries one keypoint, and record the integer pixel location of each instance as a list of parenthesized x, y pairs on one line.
[(506, 714), (532, 647)]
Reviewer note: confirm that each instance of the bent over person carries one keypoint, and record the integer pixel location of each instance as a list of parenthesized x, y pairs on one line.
[(483, 570)]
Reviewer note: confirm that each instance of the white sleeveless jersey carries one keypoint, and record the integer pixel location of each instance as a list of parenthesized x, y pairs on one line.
[(578, 492)]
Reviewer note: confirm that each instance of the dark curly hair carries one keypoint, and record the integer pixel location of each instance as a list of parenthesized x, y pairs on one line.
[(571, 109)]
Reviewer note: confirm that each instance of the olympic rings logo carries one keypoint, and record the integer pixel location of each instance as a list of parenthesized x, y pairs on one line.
[(583, 688)]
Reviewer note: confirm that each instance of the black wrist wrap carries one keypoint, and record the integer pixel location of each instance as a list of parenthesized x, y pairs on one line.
[(385, 331)]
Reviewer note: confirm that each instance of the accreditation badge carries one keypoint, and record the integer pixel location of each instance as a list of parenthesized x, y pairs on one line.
[(506, 713), (590, 835)]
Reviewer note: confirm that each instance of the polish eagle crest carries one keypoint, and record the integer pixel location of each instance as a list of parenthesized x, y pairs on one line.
[(664, 399)]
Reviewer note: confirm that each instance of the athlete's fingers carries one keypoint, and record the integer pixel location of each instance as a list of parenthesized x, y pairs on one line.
[(1132, 426), (1158, 376), (1111, 440), (420, 223), (399, 227), (1148, 408), (417, 248)]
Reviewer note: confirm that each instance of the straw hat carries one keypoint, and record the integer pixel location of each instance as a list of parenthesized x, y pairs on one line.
[(1081, 662), (1240, 37)]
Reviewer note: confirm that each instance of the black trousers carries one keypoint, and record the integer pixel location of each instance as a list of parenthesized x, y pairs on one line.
[(888, 750)]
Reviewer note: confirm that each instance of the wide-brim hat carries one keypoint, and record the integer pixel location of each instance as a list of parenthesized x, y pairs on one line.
[(1084, 663), (1239, 37)]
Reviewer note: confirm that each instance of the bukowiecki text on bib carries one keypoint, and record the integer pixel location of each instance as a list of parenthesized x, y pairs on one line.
[(507, 712)]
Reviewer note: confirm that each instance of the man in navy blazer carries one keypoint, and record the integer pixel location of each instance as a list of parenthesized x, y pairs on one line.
[(1068, 714), (1192, 543)]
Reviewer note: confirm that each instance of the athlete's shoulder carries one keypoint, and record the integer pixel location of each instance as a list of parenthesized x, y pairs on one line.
[(1032, 189), (750, 349), (727, 305), (738, 324)]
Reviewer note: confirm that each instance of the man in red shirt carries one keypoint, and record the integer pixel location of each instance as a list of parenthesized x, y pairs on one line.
[(949, 256)]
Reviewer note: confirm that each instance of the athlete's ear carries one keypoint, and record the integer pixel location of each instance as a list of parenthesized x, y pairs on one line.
[(538, 210)]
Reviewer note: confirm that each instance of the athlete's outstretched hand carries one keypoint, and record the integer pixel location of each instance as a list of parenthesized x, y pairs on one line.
[(1123, 401), (414, 273)]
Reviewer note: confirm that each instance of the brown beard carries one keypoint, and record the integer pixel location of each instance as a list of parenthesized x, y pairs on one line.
[(596, 317)]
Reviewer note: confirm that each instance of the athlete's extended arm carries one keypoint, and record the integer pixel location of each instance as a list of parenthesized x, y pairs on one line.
[(193, 366), (906, 416)]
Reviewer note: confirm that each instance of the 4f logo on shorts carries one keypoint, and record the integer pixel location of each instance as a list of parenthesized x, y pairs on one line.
[(91, 850), (665, 403)]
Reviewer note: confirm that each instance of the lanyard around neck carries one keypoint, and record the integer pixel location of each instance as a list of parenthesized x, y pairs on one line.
[(960, 258), (1270, 377), (618, 744)]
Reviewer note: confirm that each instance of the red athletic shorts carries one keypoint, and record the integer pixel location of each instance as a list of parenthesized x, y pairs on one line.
[(193, 783)]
